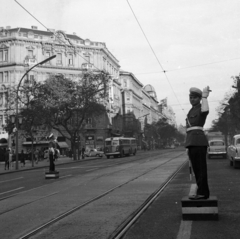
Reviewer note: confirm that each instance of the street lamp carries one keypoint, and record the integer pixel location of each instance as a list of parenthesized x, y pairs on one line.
[(17, 117)]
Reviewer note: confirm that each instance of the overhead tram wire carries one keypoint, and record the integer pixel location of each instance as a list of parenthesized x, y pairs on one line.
[(164, 71), (187, 67), (48, 29)]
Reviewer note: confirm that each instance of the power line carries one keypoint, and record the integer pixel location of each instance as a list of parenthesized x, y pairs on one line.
[(48, 29), (187, 67), (164, 71), (212, 101)]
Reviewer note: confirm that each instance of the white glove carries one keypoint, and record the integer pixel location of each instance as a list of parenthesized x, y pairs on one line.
[(205, 92)]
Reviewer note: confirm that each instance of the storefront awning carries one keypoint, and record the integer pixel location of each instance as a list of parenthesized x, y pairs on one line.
[(63, 145)]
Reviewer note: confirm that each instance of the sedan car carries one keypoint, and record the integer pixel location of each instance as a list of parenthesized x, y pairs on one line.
[(234, 151), (217, 148), (93, 153)]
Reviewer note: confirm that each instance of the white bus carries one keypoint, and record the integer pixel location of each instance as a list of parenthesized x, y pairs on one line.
[(120, 146)]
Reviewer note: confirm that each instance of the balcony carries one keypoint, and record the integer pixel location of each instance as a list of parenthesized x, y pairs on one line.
[(87, 66), (30, 61)]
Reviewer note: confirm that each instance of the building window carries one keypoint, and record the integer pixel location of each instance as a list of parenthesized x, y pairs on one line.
[(89, 121), (87, 59), (5, 77), (70, 59), (35, 36), (59, 58), (1, 77), (47, 54), (3, 55), (30, 53), (125, 83)]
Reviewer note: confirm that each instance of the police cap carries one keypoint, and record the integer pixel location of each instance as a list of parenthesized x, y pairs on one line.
[(195, 92)]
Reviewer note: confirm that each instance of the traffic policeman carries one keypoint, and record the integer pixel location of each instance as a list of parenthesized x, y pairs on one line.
[(196, 141)]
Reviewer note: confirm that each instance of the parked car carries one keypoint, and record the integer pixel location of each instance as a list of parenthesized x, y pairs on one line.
[(217, 148), (93, 152), (233, 151)]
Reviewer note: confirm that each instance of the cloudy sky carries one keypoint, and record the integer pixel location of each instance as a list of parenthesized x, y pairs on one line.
[(197, 43)]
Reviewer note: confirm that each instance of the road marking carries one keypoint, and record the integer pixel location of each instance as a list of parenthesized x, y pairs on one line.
[(66, 176), (12, 190), (185, 230), (186, 226), (10, 180), (193, 189)]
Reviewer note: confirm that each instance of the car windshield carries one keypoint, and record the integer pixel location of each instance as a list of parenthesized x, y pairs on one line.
[(217, 143)]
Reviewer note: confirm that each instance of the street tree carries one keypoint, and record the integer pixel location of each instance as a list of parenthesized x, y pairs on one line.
[(29, 110), (67, 103)]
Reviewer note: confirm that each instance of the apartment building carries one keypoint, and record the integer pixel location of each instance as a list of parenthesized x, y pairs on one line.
[(21, 48)]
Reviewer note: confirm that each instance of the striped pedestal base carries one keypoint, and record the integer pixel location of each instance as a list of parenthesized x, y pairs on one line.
[(197, 210), (51, 175)]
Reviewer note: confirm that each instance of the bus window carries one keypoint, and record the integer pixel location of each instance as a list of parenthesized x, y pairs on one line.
[(115, 142), (108, 143), (133, 141)]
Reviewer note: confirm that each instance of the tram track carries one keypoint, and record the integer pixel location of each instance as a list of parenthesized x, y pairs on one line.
[(119, 163), (93, 179), (128, 222)]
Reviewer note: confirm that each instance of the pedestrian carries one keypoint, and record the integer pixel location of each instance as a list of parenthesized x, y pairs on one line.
[(36, 155), (11, 155), (83, 151), (51, 159), (22, 157), (196, 141), (80, 153), (6, 159)]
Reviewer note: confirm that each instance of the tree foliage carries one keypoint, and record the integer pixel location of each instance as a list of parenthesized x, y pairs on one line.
[(228, 121), (67, 103)]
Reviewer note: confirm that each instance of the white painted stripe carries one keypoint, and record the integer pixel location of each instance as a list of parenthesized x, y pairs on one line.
[(10, 180), (66, 176), (186, 226), (200, 210), (12, 190), (185, 230), (193, 189)]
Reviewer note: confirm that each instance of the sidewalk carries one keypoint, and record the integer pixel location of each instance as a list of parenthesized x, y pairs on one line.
[(41, 164), (164, 217)]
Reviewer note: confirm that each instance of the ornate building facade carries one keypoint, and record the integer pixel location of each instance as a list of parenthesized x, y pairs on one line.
[(20, 48)]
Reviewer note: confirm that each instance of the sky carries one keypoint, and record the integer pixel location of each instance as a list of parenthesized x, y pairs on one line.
[(196, 43)]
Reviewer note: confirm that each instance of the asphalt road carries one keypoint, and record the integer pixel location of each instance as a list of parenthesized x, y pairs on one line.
[(128, 182), (20, 181)]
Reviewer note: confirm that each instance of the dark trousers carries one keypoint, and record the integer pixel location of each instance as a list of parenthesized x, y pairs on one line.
[(197, 155), (52, 165), (7, 164)]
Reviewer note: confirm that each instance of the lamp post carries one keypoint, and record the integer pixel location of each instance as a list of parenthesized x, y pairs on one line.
[(17, 117)]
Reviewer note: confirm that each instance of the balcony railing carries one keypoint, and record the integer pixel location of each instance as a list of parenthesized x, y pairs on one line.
[(30, 61), (87, 66)]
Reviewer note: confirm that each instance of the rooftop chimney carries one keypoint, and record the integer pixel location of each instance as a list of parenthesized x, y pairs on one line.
[(34, 27), (8, 27)]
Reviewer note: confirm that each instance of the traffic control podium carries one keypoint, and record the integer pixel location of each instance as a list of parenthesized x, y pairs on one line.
[(51, 175), (200, 210)]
